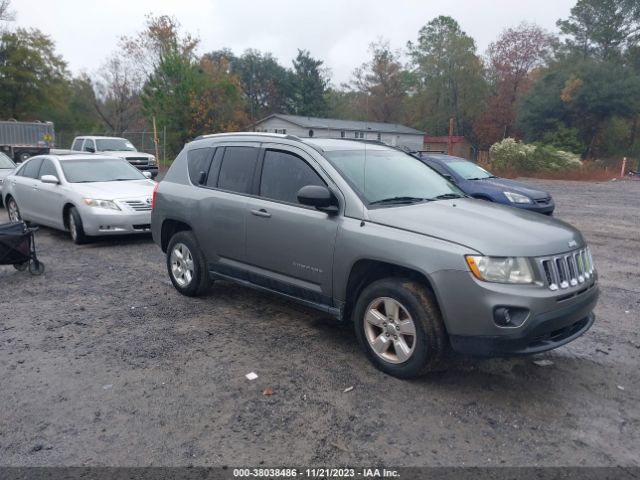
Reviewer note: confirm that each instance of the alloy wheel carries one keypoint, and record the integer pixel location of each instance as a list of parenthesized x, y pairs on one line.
[(182, 268), (14, 213), (390, 330)]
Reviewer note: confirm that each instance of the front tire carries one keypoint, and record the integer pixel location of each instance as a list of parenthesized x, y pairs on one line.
[(186, 265), (76, 229), (400, 327)]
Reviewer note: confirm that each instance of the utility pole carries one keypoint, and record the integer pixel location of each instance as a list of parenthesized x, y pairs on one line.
[(450, 140)]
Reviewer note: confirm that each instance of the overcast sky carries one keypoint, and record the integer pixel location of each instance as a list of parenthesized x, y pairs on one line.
[(336, 31)]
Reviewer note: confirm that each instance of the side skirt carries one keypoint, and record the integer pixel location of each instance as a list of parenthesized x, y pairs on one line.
[(333, 311)]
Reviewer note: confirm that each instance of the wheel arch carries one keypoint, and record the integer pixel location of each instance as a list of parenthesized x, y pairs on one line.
[(366, 271), (169, 228)]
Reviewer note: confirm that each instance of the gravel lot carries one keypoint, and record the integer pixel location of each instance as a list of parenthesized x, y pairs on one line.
[(102, 362)]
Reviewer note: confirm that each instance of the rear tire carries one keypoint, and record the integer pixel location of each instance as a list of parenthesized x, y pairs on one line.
[(399, 325), (75, 227), (13, 210), (186, 265)]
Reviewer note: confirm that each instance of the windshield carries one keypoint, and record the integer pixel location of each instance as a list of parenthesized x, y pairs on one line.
[(104, 170), (5, 162), (391, 176), (114, 145), (469, 170)]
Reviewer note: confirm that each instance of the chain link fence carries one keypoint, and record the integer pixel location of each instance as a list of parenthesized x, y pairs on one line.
[(143, 141)]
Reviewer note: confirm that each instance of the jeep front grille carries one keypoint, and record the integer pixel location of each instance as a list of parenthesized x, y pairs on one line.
[(568, 270)]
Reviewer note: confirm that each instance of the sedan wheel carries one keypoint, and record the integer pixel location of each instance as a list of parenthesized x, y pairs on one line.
[(14, 213), (390, 330), (73, 228), (181, 261)]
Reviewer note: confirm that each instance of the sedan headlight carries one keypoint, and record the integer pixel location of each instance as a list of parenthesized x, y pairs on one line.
[(500, 269), (517, 198), (94, 202)]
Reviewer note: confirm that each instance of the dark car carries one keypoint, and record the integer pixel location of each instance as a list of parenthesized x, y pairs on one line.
[(478, 183)]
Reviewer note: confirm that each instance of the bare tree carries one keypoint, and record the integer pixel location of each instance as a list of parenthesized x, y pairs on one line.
[(117, 88), (6, 13)]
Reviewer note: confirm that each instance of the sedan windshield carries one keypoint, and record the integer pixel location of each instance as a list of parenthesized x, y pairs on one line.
[(6, 162), (469, 170), (114, 145), (386, 176), (105, 170)]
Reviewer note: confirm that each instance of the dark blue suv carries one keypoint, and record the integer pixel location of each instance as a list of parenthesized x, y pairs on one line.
[(478, 183)]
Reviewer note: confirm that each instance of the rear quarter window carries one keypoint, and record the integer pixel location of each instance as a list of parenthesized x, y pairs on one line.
[(198, 161), (31, 168)]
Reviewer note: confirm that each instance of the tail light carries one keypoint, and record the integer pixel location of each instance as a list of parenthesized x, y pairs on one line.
[(153, 198)]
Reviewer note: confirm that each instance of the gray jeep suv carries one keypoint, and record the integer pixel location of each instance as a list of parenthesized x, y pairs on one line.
[(371, 235)]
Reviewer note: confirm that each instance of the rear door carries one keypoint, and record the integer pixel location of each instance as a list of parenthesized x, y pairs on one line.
[(289, 245), (48, 198), (24, 186), (222, 208)]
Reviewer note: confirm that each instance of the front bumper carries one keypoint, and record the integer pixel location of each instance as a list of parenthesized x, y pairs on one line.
[(554, 319), (98, 221), (545, 208)]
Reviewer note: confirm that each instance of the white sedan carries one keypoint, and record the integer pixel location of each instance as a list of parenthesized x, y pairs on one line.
[(85, 195)]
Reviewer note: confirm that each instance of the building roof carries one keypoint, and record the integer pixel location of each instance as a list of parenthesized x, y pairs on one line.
[(443, 139), (337, 124)]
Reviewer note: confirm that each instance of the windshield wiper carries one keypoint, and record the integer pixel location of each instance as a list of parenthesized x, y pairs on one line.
[(447, 196), (399, 200)]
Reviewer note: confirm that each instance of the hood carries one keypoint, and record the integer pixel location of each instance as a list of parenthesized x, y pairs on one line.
[(128, 153), (488, 228), (115, 190), (514, 186)]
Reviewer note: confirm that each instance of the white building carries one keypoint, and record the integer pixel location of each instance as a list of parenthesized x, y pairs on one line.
[(389, 133)]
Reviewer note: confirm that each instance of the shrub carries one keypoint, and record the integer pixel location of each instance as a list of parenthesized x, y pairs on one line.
[(510, 154)]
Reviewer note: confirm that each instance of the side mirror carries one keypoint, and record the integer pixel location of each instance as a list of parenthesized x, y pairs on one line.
[(49, 179), (149, 175), (318, 197), (90, 149)]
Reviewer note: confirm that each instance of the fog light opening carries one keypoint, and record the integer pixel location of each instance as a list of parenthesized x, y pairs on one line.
[(510, 316)]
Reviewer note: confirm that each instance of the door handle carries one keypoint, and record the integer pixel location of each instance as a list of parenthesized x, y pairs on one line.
[(261, 213)]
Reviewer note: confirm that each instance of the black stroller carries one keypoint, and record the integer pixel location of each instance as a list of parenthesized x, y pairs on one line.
[(18, 248)]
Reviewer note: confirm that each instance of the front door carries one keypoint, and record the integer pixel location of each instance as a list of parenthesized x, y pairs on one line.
[(289, 245)]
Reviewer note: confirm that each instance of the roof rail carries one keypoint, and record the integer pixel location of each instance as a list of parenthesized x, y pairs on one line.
[(260, 134)]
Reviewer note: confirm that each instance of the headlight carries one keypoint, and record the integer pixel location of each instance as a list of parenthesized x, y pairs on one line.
[(500, 269), (517, 198), (152, 160), (93, 202)]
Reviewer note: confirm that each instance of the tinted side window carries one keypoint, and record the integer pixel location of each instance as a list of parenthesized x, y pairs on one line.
[(89, 144), (77, 144), (236, 171), (31, 168), (283, 174), (198, 161), (47, 168)]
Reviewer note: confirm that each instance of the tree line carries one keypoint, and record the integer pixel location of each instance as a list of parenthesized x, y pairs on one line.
[(576, 89)]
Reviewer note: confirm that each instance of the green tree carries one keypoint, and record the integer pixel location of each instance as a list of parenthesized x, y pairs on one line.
[(31, 73), (602, 28), (309, 82), (382, 82), (447, 76), (265, 83), (583, 95)]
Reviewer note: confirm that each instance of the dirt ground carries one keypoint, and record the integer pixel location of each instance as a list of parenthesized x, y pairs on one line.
[(102, 362)]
